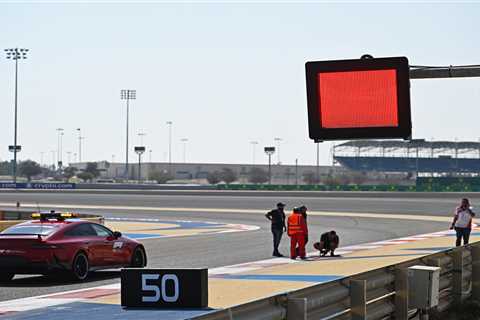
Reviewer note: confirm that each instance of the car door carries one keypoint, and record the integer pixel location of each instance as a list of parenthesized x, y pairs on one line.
[(111, 248), (84, 236)]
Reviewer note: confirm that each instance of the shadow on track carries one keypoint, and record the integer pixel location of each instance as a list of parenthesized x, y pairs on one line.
[(58, 279)]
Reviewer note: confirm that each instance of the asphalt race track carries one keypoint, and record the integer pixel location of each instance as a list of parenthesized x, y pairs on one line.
[(224, 249)]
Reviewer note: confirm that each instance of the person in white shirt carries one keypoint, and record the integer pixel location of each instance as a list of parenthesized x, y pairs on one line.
[(462, 222)]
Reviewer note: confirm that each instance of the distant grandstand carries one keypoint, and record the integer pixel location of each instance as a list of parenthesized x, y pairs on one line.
[(437, 158)]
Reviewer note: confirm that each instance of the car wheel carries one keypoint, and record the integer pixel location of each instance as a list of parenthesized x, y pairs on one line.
[(139, 259), (6, 277), (80, 267)]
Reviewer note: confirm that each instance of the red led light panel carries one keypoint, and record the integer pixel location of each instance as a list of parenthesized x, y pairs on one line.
[(358, 99)]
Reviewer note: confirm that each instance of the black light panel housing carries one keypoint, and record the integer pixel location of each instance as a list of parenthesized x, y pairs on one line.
[(359, 99)]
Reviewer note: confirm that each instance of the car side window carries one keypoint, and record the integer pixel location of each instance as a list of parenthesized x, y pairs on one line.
[(101, 231), (82, 230)]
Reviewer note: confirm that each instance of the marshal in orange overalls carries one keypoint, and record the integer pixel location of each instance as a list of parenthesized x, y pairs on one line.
[(297, 231)]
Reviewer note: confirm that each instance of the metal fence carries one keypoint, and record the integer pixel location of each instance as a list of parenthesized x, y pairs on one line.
[(424, 185), (306, 187), (377, 294)]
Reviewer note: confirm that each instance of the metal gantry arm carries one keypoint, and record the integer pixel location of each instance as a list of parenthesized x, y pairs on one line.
[(431, 72)]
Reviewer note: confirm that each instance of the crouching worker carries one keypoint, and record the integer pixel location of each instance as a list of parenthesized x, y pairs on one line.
[(298, 233), (329, 241)]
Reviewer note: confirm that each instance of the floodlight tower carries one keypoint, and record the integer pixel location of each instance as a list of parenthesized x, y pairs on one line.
[(269, 151), (169, 123), (278, 141), (127, 94), (254, 144), (80, 138), (184, 141), (59, 148), (15, 54)]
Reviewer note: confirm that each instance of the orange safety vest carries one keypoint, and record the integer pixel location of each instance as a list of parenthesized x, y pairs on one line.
[(296, 224)]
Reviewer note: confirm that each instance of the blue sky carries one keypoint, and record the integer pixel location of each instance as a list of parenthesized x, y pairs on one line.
[(224, 73)]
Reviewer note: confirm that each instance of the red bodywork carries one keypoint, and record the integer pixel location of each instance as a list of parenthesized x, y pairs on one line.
[(43, 254)]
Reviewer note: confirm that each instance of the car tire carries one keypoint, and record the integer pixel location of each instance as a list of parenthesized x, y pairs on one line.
[(80, 267), (6, 277), (139, 258)]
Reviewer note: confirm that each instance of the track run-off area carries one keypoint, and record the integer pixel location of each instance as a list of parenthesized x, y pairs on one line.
[(216, 229)]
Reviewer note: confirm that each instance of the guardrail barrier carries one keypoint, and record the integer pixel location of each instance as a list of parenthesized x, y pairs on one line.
[(378, 294)]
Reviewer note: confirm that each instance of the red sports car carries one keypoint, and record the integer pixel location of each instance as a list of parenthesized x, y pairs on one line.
[(55, 243)]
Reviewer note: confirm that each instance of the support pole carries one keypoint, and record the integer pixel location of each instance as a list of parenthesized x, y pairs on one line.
[(296, 173), (358, 299), (318, 165), (126, 153), (139, 167), (457, 279), (476, 272), (16, 121), (297, 309), (401, 293), (423, 314), (269, 169)]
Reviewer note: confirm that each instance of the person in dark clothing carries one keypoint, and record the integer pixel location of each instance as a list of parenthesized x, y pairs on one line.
[(328, 242), (277, 217), (303, 211)]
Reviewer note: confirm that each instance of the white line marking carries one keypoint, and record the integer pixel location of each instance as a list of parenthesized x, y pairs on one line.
[(31, 304), (46, 300), (363, 247), (388, 242), (412, 238)]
